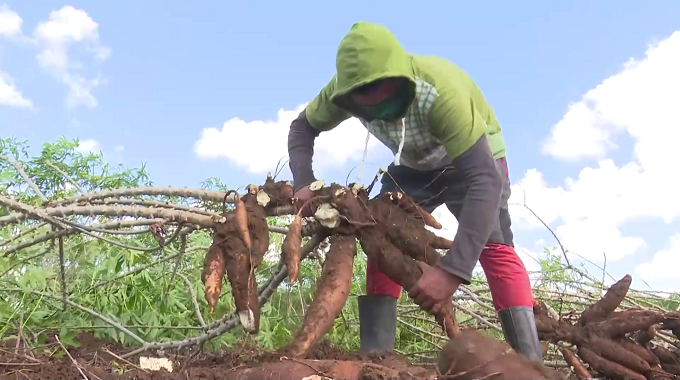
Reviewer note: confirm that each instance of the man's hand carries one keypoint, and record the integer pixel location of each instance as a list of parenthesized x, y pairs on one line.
[(434, 287), (303, 195)]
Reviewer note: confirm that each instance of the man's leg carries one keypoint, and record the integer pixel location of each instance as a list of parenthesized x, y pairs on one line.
[(508, 279), (378, 308)]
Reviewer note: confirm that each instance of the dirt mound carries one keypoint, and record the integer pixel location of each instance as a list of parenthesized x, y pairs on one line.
[(98, 359)]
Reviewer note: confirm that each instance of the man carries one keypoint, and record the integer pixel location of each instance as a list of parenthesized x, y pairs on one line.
[(448, 150)]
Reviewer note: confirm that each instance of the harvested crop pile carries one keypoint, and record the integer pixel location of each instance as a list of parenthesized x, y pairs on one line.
[(393, 234), (391, 228), (613, 344)]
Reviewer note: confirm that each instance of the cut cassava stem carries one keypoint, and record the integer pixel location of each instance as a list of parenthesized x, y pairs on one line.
[(330, 296), (202, 194), (169, 215)]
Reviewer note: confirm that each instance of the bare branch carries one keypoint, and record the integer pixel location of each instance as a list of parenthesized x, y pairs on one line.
[(115, 211), (201, 194), (72, 230)]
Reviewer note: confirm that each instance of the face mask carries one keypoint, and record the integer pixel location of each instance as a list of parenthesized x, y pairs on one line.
[(390, 108)]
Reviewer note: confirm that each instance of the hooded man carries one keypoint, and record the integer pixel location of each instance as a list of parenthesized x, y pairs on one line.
[(448, 150)]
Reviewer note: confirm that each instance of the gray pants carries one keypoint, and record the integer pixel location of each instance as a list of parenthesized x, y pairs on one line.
[(430, 189)]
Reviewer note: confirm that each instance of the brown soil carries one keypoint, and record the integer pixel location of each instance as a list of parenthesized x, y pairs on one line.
[(94, 359)]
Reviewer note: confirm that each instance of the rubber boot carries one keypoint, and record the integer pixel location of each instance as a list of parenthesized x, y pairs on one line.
[(519, 328), (377, 323)]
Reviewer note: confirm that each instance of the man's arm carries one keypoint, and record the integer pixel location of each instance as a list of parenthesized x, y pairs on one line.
[(301, 150), (459, 126), (320, 115), (479, 212)]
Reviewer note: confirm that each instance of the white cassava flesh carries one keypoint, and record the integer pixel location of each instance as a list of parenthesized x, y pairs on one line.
[(328, 216)]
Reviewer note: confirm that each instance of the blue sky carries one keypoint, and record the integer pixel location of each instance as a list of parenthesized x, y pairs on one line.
[(145, 79)]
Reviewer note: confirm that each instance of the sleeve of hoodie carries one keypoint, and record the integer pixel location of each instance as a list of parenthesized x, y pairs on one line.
[(456, 122), (320, 115)]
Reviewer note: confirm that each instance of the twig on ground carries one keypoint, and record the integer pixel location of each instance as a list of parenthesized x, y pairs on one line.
[(20, 355), (75, 363), (124, 360)]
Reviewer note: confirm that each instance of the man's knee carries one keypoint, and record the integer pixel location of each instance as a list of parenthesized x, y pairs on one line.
[(507, 276), (501, 259), (378, 283)]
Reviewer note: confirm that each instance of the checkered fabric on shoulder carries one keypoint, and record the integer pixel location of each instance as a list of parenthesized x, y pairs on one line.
[(421, 150)]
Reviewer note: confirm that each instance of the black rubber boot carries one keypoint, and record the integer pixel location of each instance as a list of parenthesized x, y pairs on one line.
[(519, 328), (377, 323)]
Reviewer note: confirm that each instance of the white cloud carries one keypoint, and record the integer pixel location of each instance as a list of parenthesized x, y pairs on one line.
[(88, 146), (10, 22), (529, 258), (10, 27), (448, 222), (664, 265), (258, 145), (9, 94), (119, 148), (66, 28), (638, 100), (590, 209)]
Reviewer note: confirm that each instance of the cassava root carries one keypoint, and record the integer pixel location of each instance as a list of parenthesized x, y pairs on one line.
[(614, 344), (330, 297)]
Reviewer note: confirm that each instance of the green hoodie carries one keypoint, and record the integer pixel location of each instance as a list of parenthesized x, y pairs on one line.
[(447, 112)]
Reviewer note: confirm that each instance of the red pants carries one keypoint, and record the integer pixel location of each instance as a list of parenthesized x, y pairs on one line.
[(504, 270)]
